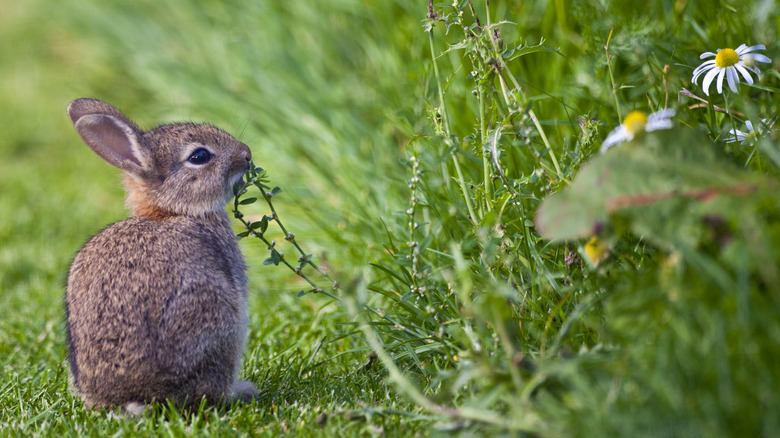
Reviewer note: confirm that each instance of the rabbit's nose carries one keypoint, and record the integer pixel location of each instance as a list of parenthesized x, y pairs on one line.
[(245, 153)]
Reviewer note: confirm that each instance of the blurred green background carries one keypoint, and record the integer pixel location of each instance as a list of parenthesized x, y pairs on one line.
[(318, 91), (313, 95)]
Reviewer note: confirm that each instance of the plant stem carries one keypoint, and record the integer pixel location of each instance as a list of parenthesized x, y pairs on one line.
[(292, 240), (731, 117), (546, 142), (410, 390), (612, 76), (448, 134), (485, 150), (504, 91)]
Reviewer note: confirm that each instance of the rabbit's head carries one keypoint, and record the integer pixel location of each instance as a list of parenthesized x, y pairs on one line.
[(175, 169)]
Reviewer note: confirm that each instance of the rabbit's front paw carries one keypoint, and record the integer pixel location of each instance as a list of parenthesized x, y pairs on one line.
[(243, 391)]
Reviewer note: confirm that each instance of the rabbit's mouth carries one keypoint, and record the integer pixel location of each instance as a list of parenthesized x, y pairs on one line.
[(237, 183), (239, 178)]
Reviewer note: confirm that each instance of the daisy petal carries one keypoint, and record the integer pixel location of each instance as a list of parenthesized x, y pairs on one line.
[(661, 114), (701, 69), (616, 136), (733, 79), (760, 58), (706, 55), (719, 82), (658, 124), (749, 126), (741, 49), (704, 65), (705, 85), (743, 71), (735, 136), (750, 49)]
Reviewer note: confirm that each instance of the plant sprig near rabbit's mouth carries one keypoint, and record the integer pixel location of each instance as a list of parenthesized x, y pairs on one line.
[(256, 177), (156, 304)]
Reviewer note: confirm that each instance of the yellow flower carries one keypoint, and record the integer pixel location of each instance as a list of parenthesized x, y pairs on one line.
[(596, 251), (636, 122)]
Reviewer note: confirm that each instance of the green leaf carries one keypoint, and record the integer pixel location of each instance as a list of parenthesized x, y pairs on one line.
[(401, 260), (664, 185), (522, 51), (248, 201), (276, 190), (274, 259), (259, 224)]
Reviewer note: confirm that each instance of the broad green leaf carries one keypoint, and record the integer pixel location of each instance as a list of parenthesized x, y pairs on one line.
[(664, 184)]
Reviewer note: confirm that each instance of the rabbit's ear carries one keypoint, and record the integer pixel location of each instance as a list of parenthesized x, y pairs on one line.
[(114, 140)]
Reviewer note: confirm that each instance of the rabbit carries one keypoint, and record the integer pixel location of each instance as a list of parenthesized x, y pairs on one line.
[(156, 304)]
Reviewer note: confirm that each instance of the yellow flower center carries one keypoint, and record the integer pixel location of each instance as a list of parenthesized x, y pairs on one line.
[(726, 58), (596, 250), (635, 122)]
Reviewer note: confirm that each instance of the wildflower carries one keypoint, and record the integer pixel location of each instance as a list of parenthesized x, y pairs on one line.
[(636, 122), (596, 251), (736, 135), (727, 63)]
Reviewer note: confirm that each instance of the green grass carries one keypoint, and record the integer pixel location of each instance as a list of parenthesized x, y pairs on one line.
[(480, 323)]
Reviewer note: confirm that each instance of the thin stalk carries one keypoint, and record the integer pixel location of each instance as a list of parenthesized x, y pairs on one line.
[(448, 132), (507, 344), (508, 101), (410, 390), (731, 117), (485, 150), (254, 178), (283, 260), (612, 76), (713, 122), (546, 142), (291, 238)]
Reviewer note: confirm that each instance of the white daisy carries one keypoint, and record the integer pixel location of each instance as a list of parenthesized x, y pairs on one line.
[(735, 135), (636, 122), (727, 63)]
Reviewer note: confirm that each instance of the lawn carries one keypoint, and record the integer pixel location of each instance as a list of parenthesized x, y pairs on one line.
[(472, 263)]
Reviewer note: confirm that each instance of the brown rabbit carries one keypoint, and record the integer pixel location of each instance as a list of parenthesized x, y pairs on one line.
[(156, 304)]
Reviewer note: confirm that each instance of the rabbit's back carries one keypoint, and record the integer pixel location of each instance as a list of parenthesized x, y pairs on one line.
[(155, 307)]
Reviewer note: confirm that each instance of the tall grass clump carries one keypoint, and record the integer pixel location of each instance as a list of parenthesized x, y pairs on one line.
[(474, 292), (468, 296), (638, 299)]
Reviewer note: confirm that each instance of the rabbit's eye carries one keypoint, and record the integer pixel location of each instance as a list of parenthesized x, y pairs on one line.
[(200, 156)]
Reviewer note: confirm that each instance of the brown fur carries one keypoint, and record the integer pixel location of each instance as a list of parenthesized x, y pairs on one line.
[(156, 304)]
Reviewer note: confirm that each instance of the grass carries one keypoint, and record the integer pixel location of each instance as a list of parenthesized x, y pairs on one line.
[(412, 166)]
